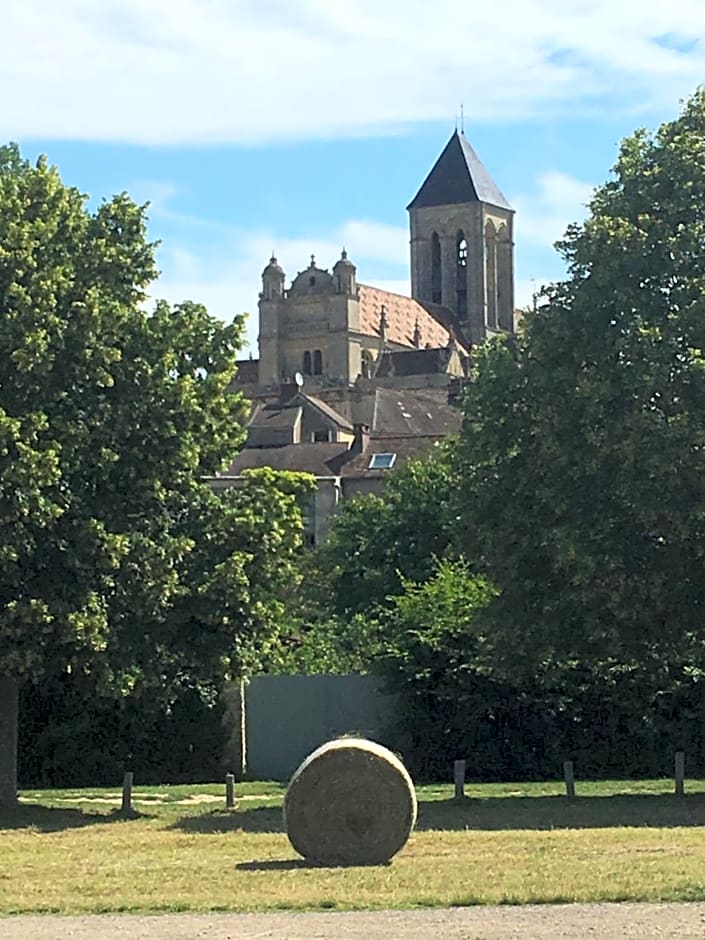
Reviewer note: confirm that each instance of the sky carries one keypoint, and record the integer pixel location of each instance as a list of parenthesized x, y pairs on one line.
[(260, 126)]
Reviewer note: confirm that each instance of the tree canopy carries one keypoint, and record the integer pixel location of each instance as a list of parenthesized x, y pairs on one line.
[(378, 541), (110, 416), (581, 457)]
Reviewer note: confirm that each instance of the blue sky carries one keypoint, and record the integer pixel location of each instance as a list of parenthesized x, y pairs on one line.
[(299, 127)]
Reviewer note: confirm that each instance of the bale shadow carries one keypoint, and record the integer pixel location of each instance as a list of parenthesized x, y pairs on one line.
[(258, 819), (293, 864), (54, 819), (658, 811)]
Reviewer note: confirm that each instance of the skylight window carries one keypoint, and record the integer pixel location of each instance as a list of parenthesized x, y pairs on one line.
[(382, 461)]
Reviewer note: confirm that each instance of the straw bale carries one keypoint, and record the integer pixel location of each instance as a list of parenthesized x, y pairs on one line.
[(351, 802)]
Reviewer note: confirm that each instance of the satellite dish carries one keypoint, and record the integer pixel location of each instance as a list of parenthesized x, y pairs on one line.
[(299, 379)]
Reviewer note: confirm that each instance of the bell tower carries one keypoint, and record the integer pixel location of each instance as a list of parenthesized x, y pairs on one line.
[(462, 243)]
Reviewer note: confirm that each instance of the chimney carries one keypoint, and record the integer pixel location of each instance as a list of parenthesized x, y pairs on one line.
[(287, 392), (456, 391), (361, 437)]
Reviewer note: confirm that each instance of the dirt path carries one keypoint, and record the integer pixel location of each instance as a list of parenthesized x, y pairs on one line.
[(533, 922)]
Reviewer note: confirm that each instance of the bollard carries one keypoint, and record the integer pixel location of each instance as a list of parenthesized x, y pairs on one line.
[(230, 791), (459, 779), (126, 808), (680, 773), (569, 779)]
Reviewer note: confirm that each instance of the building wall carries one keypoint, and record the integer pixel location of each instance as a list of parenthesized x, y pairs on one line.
[(287, 717), (447, 222), (301, 322)]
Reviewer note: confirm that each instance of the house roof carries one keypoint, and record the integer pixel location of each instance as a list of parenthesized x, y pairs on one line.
[(412, 362), (275, 415), (247, 372), (322, 458), (327, 411), (402, 315), (458, 176), (416, 412), (402, 446)]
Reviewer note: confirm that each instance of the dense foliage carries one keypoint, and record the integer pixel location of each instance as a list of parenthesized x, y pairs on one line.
[(582, 450), (116, 562), (379, 541), (576, 491)]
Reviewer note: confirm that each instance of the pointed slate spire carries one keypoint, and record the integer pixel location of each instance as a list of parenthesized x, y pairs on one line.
[(458, 176)]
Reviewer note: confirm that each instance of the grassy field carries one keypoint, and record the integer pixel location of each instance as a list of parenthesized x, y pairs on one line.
[(68, 851)]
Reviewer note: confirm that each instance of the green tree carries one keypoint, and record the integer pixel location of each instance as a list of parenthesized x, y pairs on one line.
[(109, 418), (432, 637), (581, 459), (377, 541)]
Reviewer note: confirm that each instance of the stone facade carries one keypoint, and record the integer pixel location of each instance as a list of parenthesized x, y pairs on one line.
[(351, 379), (462, 244)]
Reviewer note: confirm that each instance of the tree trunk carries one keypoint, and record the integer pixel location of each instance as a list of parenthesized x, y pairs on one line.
[(9, 699)]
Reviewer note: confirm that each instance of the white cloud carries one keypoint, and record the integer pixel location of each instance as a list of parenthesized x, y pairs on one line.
[(200, 71), (225, 275), (222, 269), (542, 217)]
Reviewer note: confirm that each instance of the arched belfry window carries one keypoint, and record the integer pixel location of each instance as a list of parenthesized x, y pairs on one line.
[(436, 289), (491, 273), (317, 362), (505, 314), (461, 275), (307, 363)]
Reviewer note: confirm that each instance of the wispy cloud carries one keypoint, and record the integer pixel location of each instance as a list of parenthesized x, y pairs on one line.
[(224, 272), (222, 267), (244, 71), (558, 200)]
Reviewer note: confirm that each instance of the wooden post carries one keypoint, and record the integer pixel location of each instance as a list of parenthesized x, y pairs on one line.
[(680, 773), (459, 779), (569, 779), (230, 791), (126, 809), (9, 699)]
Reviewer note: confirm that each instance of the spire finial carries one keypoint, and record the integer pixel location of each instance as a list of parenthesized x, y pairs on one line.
[(313, 260), (416, 339), (462, 119), (383, 323)]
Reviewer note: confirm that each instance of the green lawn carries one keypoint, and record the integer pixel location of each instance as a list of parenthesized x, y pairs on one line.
[(69, 851)]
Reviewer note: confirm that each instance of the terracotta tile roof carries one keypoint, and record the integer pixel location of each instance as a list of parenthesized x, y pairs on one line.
[(402, 314)]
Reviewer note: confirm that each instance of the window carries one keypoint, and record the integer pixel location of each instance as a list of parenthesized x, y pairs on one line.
[(318, 436), (461, 275), (504, 280), (436, 290), (382, 461), (491, 273), (307, 363), (317, 362), (312, 281)]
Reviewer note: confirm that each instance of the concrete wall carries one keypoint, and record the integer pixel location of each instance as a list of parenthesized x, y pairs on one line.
[(286, 717)]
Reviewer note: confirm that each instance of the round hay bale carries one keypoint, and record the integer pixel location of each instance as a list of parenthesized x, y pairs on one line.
[(351, 802)]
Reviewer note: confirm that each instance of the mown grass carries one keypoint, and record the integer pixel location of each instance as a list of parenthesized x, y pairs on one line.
[(69, 851)]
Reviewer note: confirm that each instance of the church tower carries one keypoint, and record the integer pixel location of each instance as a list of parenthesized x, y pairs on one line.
[(462, 243)]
